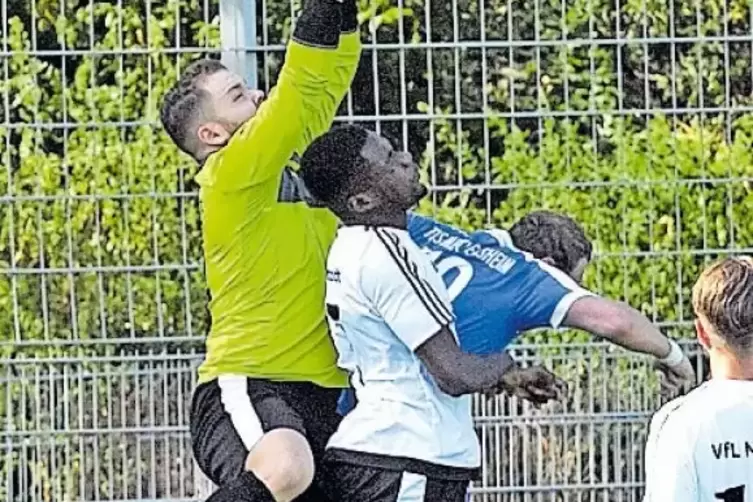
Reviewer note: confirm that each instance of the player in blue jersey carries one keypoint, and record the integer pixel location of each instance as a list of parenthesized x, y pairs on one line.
[(499, 291), (560, 242)]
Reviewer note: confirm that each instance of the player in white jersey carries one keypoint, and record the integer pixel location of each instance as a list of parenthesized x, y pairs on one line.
[(700, 446), (411, 435)]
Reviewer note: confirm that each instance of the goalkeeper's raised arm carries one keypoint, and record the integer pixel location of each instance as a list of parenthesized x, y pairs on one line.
[(268, 386), (243, 139)]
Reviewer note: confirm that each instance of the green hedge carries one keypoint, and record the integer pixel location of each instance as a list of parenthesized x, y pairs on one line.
[(95, 203), (634, 183), (123, 212)]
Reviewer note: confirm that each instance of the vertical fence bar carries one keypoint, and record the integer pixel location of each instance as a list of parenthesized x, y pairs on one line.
[(64, 421), (238, 38)]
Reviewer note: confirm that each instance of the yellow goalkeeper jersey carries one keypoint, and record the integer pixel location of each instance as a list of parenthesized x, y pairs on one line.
[(265, 248)]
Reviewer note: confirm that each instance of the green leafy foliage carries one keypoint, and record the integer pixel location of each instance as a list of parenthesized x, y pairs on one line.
[(100, 247), (99, 223)]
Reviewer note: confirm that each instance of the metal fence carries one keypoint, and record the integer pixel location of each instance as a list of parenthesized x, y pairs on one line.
[(630, 115)]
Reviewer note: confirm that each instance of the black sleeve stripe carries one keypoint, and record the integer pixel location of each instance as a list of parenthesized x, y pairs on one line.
[(403, 253), (437, 299), (433, 296), (437, 309)]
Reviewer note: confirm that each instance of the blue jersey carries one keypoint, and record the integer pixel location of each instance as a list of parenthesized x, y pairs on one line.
[(497, 291)]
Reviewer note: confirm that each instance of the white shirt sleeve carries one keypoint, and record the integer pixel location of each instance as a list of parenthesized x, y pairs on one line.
[(405, 289), (670, 471)]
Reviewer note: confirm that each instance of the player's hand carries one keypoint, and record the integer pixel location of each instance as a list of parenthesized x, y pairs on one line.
[(535, 384), (674, 378)]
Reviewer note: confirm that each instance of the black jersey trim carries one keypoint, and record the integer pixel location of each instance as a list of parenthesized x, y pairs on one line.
[(429, 298)]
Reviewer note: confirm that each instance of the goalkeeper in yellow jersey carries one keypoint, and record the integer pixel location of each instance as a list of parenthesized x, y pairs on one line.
[(268, 386)]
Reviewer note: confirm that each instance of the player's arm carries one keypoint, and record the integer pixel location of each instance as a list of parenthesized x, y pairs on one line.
[(314, 78), (457, 372), (341, 77), (619, 323), (552, 298), (557, 300), (623, 325), (670, 475), (406, 292)]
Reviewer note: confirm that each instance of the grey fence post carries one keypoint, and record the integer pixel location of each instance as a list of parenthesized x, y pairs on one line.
[(238, 36)]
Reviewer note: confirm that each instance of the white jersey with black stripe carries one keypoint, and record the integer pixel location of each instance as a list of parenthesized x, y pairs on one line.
[(384, 300), (700, 446)]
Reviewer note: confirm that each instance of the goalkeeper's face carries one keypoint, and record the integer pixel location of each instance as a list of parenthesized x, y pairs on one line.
[(229, 104)]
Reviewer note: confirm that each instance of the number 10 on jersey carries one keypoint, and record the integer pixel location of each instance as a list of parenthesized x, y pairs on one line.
[(456, 264)]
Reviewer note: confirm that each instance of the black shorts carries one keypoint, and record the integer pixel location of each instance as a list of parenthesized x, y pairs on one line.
[(351, 483), (231, 413), (349, 476)]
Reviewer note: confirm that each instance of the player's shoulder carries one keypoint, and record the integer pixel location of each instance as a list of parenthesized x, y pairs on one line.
[(350, 242), (375, 246), (426, 231), (425, 228), (349, 253), (683, 413), (392, 244), (501, 237)]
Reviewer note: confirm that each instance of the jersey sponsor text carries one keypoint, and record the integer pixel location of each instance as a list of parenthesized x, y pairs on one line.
[(732, 449), (493, 256)]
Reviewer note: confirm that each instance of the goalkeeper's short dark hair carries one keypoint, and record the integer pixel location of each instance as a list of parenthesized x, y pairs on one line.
[(545, 234), (332, 166), (182, 104)]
